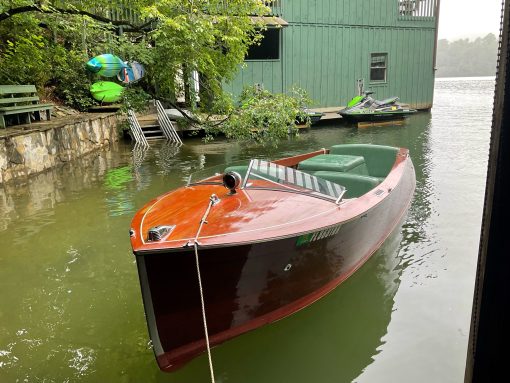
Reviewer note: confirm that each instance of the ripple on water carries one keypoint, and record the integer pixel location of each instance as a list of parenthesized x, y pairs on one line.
[(71, 308)]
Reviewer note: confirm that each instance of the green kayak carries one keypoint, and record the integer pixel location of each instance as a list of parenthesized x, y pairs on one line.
[(106, 91)]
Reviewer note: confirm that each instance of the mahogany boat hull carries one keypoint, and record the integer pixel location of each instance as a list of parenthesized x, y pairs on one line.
[(251, 284)]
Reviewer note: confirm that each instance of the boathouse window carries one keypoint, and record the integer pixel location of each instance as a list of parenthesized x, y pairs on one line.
[(269, 48), (378, 67)]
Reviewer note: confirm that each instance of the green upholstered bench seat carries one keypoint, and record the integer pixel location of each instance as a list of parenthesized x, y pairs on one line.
[(356, 184), (334, 163), (379, 159)]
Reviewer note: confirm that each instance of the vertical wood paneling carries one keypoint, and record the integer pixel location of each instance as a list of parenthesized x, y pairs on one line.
[(394, 69), (310, 39), (349, 53), (309, 14), (325, 57), (287, 52), (340, 12), (346, 59), (316, 62), (326, 4), (419, 67), (331, 67), (326, 64), (348, 12), (339, 71), (405, 66), (412, 67)]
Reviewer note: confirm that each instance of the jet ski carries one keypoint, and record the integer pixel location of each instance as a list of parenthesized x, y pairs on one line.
[(366, 108)]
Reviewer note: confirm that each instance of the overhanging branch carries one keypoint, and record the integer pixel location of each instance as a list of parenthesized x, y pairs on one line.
[(77, 12)]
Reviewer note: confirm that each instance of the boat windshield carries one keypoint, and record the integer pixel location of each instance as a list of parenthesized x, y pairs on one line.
[(290, 180), (279, 177), (213, 174)]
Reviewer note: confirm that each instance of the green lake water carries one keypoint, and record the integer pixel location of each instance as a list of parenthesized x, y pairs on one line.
[(71, 308)]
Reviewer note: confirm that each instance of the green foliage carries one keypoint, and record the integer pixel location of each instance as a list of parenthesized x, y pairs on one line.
[(25, 60), (47, 57), (467, 58), (264, 116), (71, 82), (209, 36), (134, 98), (49, 44)]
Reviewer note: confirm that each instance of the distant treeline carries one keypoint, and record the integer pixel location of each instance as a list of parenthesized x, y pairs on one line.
[(464, 58)]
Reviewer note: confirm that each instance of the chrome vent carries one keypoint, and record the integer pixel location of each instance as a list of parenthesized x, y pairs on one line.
[(157, 233)]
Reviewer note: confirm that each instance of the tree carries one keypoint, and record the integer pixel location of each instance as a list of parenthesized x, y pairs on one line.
[(211, 37), (47, 42), (467, 58)]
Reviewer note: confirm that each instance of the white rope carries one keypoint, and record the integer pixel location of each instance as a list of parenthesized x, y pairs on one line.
[(202, 221)]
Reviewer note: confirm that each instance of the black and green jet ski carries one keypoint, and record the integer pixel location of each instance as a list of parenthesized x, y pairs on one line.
[(366, 108)]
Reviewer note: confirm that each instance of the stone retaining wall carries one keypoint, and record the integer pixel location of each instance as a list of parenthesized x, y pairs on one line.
[(26, 153)]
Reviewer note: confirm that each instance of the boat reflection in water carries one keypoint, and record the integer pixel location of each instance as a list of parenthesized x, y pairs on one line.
[(333, 340), (279, 236)]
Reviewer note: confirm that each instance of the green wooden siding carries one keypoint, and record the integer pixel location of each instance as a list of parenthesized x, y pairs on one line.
[(328, 45)]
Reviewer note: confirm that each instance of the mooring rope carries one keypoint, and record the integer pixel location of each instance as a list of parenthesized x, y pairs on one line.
[(212, 200)]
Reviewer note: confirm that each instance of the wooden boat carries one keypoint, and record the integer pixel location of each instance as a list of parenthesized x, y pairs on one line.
[(279, 235)]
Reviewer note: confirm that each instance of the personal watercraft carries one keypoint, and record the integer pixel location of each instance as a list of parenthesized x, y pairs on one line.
[(366, 108)]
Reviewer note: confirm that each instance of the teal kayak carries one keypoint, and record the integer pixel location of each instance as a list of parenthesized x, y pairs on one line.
[(106, 65)]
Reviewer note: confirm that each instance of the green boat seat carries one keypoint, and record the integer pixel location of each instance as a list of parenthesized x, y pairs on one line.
[(356, 184), (378, 159), (334, 163)]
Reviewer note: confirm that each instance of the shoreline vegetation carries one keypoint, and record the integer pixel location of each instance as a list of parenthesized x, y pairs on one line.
[(179, 43), (467, 58)]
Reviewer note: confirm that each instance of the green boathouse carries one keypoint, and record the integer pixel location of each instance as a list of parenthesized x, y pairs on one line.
[(324, 46)]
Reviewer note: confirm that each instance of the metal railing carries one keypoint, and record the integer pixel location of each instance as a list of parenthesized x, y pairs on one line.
[(276, 7), (136, 129), (412, 9), (166, 125)]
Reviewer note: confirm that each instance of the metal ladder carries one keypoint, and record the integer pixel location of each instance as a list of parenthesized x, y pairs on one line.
[(166, 125), (136, 129)]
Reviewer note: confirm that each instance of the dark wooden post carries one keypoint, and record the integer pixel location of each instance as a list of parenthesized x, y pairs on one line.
[(489, 339)]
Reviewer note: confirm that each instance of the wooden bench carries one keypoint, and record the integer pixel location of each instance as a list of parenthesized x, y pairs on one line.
[(21, 101)]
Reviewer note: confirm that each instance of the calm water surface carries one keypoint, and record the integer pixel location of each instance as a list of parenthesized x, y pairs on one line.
[(71, 308)]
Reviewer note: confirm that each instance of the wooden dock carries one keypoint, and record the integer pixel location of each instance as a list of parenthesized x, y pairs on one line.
[(330, 113), (369, 124)]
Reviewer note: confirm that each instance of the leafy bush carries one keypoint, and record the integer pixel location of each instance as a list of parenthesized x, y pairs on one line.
[(70, 78), (264, 116), (48, 44), (134, 98), (25, 61), (33, 59)]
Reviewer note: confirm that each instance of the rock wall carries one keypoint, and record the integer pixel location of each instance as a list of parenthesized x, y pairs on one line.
[(39, 195), (28, 153)]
